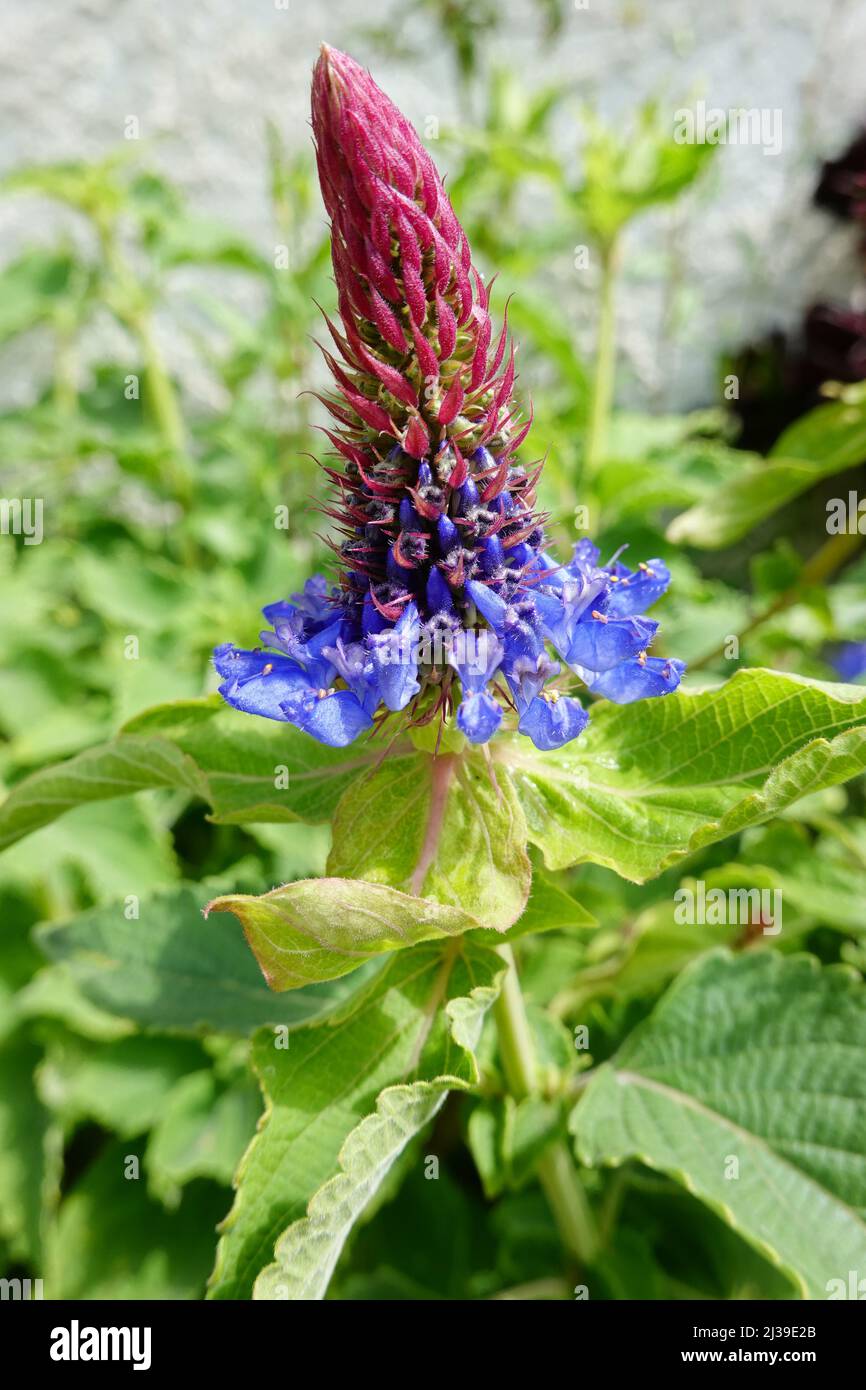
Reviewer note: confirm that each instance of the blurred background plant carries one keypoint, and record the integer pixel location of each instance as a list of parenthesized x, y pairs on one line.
[(171, 511)]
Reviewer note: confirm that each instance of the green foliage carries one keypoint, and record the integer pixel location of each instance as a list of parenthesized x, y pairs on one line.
[(327, 1067), (746, 1085)]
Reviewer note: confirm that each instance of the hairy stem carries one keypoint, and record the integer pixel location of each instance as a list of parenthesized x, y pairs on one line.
[(556, 1171)]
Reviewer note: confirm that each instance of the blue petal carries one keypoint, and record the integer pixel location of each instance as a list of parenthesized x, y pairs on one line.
[(258, 682), (307, 651), (336, 718), (395, 659), (489, 604), (637, 589), (476, 656), (409, 518), (550, 723), (479, 716), (439, 598), (849, 660), (372, 620), (527, 676), (354, 664), (585, 556), (314, 604), (636, 680), (447, 534), (600, 643), (491, 554)]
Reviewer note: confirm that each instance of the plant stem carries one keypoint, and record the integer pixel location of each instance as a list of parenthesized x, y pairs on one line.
[(601, 402), (832, 555), (133, 310), (163, 402), (556, 1171)]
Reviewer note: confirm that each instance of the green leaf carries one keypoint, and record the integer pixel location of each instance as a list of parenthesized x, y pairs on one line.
[(29, 1152), (746, 1084), (201, 1132), (438, 827), (414, 1029), (828, 440), (170, 969), (321, 928), (247, 769), (736, 508), (626, 174), (31, 288), (53, 993), (116, 769), (112, 847), (111, 1241), (550, 908), (260, 770), (648, 783), (507, 1138), (122, 1085)]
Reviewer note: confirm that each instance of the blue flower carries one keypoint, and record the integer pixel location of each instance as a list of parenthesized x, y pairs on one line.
[(451, 602)]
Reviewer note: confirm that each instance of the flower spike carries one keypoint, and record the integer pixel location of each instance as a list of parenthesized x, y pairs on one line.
[(446, 587)]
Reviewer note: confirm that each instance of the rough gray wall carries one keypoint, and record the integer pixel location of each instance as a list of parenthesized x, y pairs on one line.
[(745, 253)]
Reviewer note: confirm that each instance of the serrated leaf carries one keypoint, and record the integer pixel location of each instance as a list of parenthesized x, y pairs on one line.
[(437, 827), (169, 969), (648, 783), (755, 1059), (415, 1028), (248, 770), (321, 928)]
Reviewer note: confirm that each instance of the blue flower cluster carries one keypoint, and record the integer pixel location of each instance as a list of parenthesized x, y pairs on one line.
[(332, 664)]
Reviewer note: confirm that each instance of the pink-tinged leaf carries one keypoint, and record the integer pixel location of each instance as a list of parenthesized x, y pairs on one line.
[(380, 232), (479, 361), (521, 433), (410, 251), (497, 482)]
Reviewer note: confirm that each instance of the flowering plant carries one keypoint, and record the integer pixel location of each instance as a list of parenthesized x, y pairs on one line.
[(506, 953), (448, 595)]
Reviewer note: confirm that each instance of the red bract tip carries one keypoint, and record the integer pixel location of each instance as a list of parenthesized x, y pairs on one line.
[(414, 308)]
